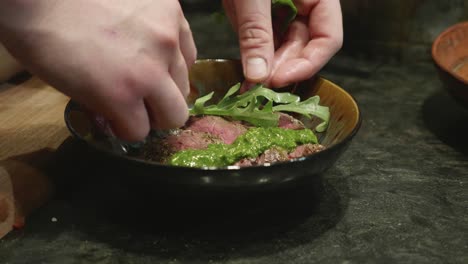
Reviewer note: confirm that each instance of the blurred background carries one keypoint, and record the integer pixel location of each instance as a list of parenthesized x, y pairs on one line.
[(400, 29), (390, 29)]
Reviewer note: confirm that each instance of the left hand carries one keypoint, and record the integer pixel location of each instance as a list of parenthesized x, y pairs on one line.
[(311, 40)]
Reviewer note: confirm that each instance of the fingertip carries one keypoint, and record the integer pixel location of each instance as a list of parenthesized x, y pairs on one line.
[(172, 120), (178, 120), (292, 71), (129, 132), (130, 123), (279, 82), (256, 69), (279, 79), (183, 119)]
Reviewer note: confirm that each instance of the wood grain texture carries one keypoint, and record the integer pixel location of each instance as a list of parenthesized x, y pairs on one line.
[(31, 118), (31, 129)]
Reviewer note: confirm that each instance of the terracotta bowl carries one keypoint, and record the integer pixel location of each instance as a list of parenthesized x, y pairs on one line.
[(218, 76), (450, 54)]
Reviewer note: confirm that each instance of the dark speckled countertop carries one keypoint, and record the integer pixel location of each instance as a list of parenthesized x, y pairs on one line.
[(399, 194)]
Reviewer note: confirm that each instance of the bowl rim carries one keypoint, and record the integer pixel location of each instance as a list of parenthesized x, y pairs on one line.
[(141, 162), (436, 43)]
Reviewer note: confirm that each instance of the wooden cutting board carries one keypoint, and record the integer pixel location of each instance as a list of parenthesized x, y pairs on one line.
[(31, 129)]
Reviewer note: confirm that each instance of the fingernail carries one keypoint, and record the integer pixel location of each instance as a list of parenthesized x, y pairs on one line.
[(256, 68)]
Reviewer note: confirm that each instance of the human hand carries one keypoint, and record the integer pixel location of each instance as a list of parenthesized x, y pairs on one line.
[(125, 60), (311, 40)]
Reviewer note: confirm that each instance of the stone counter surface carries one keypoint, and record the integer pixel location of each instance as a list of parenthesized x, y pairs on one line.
[(399, 194)]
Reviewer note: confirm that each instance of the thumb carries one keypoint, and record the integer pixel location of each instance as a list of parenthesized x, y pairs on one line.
[(255, 37)]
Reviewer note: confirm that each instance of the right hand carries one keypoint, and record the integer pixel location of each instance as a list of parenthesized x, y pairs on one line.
[(125, 60), (311, 40)]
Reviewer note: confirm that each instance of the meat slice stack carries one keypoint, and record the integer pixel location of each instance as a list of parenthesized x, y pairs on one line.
[(200, 131)]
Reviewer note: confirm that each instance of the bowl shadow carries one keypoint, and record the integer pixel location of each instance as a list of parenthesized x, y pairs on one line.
[(447, 120), (191, 226)]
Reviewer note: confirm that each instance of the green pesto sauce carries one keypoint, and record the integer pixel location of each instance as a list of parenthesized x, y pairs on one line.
[(249, 145)]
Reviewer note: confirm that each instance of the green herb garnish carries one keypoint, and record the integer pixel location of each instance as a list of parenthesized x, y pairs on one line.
[(251, 107)]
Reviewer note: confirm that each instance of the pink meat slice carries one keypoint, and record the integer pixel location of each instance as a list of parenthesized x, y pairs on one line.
[(304, 150), (288, 122), (189, 139), (217, 126)]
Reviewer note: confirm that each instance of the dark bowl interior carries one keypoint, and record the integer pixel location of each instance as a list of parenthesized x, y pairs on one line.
[(218, 76), (450, 55)]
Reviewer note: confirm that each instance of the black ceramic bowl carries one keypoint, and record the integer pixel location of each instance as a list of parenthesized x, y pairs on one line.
[(218, 76)]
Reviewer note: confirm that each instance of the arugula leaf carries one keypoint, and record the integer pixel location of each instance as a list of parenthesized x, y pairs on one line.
[(246, 107), (250, 106), (199, 104)]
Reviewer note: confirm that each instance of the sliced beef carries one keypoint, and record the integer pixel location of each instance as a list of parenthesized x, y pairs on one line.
[(189, 139), (277, 154), (229, 130), (304, 150), (226, 130), (288, 122), (273, 155), (201, 131), (269, 156), (160, 149), (246, 162)]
